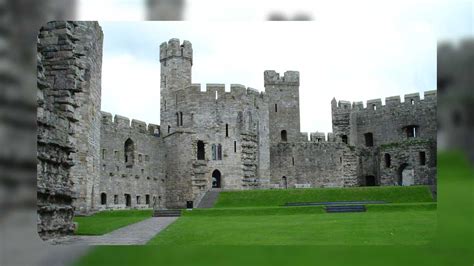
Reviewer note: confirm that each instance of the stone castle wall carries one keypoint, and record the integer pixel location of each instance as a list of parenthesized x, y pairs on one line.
[(140, 176), (385, 122), (313, 164), (250, 139), (69, 60), (388, 125)]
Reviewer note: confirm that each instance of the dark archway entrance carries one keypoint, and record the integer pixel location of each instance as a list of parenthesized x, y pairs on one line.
[(103, 199), (285, 182), (216, 179), (128, 200), (370, 181)]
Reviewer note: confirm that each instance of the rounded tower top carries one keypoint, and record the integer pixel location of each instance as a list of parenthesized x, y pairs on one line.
[(174, 48)]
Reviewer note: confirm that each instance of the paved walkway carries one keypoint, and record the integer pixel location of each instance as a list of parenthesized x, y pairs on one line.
[(135, 234)]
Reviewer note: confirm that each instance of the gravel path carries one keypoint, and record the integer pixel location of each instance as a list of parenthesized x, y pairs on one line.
[(135, 234)]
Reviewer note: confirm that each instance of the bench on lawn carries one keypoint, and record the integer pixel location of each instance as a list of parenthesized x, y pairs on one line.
[(339, 206), (335, 203)]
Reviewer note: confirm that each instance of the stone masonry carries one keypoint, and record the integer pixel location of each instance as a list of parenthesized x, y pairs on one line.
[(208, 137)]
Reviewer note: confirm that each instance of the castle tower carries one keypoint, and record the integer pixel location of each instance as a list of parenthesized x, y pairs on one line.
[(341, 126), (176, 63), (283, 105)]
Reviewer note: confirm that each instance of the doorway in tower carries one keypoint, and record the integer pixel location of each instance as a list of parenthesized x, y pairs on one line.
[(406, 175), (216, 179)]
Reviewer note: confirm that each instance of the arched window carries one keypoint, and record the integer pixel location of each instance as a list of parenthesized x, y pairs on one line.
[(103, 199), (177, 119), (388, 160), (169, 129), (201, 154), (283, 136), (129, 153), (180, 118)]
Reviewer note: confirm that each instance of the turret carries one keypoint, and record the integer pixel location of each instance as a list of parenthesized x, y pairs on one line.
[(176, 70), (284, 105)]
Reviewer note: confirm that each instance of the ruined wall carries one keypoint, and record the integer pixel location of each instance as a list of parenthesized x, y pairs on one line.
[(407, 155), (66, 58), (385, 122), (388, 126), (315, 163), (140, 175)]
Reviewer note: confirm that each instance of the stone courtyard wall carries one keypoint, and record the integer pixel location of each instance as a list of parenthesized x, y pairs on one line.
[(141, 176)]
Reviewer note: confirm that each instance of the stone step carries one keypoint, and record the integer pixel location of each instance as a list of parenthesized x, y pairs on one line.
[(346, 208), (209, 199)]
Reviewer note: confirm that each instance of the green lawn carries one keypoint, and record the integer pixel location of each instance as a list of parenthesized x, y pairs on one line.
[(411, 224), (451, 245), (392, 194), (107, 221)]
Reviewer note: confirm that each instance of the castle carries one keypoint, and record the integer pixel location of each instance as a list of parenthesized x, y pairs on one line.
[(211, 138)]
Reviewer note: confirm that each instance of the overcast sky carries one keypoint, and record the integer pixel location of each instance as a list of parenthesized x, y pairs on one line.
[(354, 53)]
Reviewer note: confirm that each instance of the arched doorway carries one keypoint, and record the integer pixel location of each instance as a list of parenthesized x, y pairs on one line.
[(103, 199), (216, 179), (406, 175), (128, 200), (370, 181), (285, 182)]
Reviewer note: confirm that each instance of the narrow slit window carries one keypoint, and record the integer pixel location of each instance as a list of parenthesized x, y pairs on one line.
[(283, 136), (227, 130), (422, 158), (235, 146), (276, 108), (369, 139), (388, 160)]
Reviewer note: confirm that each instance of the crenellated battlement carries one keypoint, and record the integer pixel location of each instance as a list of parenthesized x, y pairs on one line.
[(121, 122), (174, 48), (317, 137), (412, 99), (217, 91), (271, 77)]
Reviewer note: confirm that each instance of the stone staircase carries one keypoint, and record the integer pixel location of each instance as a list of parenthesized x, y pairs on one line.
[(167, 213), (209, 198)]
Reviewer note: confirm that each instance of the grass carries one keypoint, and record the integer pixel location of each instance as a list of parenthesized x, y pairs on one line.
[(108, 221), (450, 246), (260, 198), (302, 226)]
